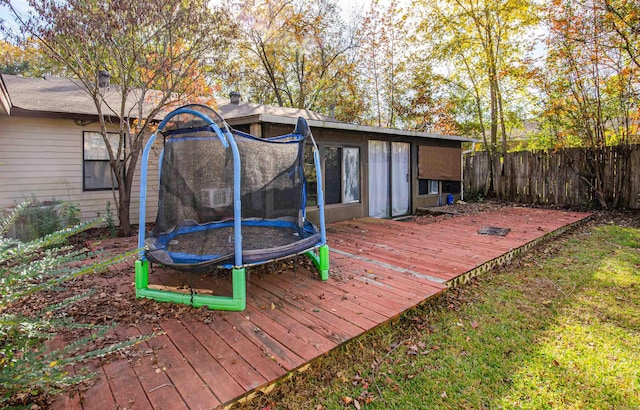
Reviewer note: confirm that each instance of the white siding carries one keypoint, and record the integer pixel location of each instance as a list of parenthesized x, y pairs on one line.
[(42, 157)]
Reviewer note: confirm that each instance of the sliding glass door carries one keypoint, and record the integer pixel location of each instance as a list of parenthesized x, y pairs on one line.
[(389, 182)]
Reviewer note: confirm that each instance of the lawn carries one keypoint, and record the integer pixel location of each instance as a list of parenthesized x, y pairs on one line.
[(558, 328)]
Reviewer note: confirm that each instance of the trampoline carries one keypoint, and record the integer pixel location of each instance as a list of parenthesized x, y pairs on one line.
[(226, 199)]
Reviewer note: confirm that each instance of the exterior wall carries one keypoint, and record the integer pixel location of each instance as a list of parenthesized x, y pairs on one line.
[(324, 138), (43, 157), (327, 137)]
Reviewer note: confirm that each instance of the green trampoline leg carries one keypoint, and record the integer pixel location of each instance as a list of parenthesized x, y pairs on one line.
[(320, 261), (324, 262), (142, 275), (239, 280)]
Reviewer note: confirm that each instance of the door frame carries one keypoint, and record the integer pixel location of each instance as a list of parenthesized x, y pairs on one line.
[(391, 166)]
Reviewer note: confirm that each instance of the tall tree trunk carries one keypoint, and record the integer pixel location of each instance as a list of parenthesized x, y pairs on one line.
[(124, 216)]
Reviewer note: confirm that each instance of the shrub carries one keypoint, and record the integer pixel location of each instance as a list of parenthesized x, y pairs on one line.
[(28, 366), (39, 218)]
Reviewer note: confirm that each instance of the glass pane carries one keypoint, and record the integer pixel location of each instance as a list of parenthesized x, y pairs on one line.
[(97, 175), (379, 206), (423, 186), (310, 175), (333, 175), (433, 187), (351, 177), (95, 148), (400, 195)]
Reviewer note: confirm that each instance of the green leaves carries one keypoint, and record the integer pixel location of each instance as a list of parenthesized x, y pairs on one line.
[(30, 361)]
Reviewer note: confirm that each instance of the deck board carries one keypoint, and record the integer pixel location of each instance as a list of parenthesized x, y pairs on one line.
[(379, 270)]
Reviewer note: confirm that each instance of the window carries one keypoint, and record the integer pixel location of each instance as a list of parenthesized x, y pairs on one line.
[(350, 175), (428, 187), (97, 170), (451, 187), (433, 187), (341, 175), (310, 175), (333, 175)]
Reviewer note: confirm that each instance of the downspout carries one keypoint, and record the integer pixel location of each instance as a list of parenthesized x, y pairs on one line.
[(469, 151)]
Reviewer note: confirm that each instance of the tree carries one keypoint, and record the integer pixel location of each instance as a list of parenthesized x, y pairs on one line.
[(591, 86), (384, 42), (624, 18), (296, 54), (153, 52), (27, 60), (479, 50)]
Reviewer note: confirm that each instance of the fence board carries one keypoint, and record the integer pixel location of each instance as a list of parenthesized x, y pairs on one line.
[(563, 178)]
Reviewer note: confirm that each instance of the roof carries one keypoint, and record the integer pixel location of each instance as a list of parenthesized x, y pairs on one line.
[(65, 98), (249, 110), (58, 96)]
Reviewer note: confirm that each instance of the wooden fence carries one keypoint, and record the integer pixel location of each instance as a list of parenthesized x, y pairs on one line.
[(564, 178)]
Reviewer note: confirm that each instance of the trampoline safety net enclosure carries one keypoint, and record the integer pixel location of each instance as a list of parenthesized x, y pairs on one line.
[(226, 199)]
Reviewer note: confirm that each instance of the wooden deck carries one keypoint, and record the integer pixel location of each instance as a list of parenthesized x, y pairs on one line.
[(379, 269)]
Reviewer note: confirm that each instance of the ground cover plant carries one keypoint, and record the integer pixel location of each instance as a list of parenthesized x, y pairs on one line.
[(34, 362), (558, 328)]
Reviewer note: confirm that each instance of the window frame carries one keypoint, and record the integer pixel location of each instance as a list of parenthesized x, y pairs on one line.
[(112, 183), (431, 183), (344, 199)]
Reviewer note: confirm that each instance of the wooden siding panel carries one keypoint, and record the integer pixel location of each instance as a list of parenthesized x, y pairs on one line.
[(43, 158)]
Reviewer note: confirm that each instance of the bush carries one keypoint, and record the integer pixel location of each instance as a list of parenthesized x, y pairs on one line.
[(28, 366), (40, 218)]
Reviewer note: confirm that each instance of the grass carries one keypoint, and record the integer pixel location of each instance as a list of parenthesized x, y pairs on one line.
[(559, 328)]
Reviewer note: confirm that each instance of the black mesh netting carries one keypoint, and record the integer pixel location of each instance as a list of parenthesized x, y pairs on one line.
[(197, 187)]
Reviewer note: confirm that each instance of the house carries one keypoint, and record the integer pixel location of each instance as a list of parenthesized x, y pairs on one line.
[(51, 149)]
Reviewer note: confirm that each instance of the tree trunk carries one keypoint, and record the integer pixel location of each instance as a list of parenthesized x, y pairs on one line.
[(124, 216)]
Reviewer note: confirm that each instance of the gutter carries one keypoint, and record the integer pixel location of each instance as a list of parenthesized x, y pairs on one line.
[(361, 128)]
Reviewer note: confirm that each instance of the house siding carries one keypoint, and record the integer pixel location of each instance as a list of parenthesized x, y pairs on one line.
[(43, 157)]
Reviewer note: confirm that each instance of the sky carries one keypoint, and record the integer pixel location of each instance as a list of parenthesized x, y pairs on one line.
[(5, 14), (347, 6)]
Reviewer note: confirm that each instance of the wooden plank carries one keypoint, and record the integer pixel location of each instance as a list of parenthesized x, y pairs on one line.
[(159, 389), (255, 354), (99, 396), (221, 383), (303, 341), (67, 400), (353, 321), (398, 283), (335, 334), (126, 387), (281, 353), (234, 364), (186, 291), (189, 385)]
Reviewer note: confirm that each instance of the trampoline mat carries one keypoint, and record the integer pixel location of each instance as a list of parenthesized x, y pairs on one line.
[(220, 240)]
